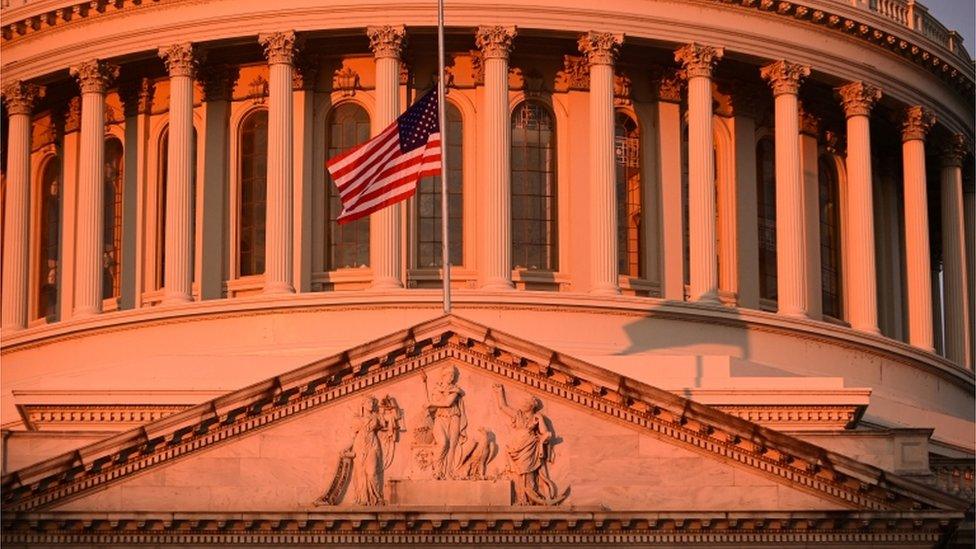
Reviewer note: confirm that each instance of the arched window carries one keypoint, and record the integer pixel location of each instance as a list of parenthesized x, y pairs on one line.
[(766, 211), (253, 192), (161, 202), (112, 234), (429, 243), (534, 243), (49, 242), (830, 247), (629, 240), (348, 243)]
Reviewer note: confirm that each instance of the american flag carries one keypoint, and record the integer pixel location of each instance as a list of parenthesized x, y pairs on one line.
[(386, 169)]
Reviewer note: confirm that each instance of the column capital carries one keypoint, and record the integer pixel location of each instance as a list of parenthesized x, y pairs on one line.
[(181, 59), (954, 150), (21, 96), (306, 72), (72, 115), (218, 82), (137, 96), (784, 77), (495, 42), (600, 48), (858, 98), (698, 60), (916, 121), (94, 76), (668, 85), (387, 41), (279, 47), (809, 122)]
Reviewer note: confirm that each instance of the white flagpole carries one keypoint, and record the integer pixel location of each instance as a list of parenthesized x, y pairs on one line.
[(445, 246)]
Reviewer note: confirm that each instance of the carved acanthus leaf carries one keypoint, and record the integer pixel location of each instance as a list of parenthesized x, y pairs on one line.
[(955, 150), (280, 47), (916, 122), (387, 41), (600, 48), (180, 59), (858, 98), (668, 84), (698, 60), (621, 89), (784, 77), (575, 74), (495, 42), (94, 76), (20, 97)]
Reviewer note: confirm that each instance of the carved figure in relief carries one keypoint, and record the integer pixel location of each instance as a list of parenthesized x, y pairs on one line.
[(361, 465), (529, 450), (447, 421)]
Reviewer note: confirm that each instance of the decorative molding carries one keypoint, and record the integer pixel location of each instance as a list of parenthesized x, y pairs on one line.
[(280, 47), (68, 417), (621, 90), (94, 76), (346, 81), (669, 84), (449, 339), (495, 42), (600, 48), (387, 40), (508, 527), (698, 60), (180, 59), (306, 72), (784, 77), (796, 417), (72, 116), (809, 122), (575, 74), (20, 97), (858, 98)]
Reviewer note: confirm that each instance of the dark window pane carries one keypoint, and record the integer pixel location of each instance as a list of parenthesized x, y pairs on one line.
[(254, 174), (533, 188), (348, 245)]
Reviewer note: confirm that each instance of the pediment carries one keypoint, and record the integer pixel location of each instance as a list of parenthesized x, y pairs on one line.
[(613, 444)]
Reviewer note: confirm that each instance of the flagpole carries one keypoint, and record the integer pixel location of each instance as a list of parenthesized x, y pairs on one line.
[(445, 246)]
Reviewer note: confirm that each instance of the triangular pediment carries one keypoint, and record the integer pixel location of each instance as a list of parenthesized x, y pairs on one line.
[(613, 443)]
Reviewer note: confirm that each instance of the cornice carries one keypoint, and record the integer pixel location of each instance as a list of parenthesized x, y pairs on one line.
[(452, 339), (859, 24), (501, 527)]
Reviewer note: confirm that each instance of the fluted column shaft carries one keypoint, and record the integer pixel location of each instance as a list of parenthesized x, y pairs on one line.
[(957, 334), (93, 78), (858, 99), (918, 263), (19, 98), (178, 277), (698, 62), (791, 272), (385, 226), (495, 43), (601, 50), (279, 49)]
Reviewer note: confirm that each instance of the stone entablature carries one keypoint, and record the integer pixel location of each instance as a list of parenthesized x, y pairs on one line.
[(452, 340)]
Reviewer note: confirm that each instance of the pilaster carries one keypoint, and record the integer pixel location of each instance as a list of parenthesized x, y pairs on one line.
[(958, 327)]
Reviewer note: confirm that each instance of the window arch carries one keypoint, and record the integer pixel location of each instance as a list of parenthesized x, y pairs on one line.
[(49, 241), (830, 243), (766, 212), (161, 202), (348, 244), (253, 193), (534, 236), (429, 243), (112, 234), (629, 195)]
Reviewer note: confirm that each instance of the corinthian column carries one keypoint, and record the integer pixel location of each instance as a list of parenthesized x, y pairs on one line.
[(958, 343), (857, 99), (279, 49), (495, 44), (178, 278), (785, 78), (916, 123), (385, 248), (601, 49), (698, 62), (20, 98), (93, 78)]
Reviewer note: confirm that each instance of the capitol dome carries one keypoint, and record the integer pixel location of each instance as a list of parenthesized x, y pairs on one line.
[(712, 273)]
